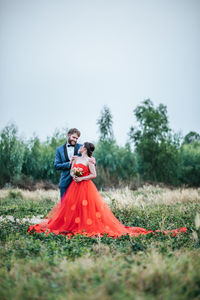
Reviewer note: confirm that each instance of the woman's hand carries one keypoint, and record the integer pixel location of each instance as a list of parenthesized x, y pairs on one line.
[(77, 179)]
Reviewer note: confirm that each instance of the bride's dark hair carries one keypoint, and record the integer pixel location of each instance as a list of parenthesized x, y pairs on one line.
[(90, 148)]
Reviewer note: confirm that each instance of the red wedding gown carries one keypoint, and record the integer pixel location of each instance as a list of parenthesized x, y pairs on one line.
[(84, 211)]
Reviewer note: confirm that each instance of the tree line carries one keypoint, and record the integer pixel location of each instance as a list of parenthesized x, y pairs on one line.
[(153, 153)]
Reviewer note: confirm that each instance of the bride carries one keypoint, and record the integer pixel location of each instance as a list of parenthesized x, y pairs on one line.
[(83, 210)]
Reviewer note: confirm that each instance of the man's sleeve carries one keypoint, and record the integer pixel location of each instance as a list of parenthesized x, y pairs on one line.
[(58, 164)]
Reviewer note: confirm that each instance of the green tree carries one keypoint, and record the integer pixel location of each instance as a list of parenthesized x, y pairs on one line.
[(191, 137), (105, 123), (32, 163), (39, 157), (11, 155), (190, 164), (156, 147), (115, 165), (48, 151)]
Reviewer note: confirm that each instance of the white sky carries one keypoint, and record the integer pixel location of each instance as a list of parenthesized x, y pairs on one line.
[(61, 61)]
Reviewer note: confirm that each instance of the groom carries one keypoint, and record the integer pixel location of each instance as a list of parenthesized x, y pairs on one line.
[(65, 154)]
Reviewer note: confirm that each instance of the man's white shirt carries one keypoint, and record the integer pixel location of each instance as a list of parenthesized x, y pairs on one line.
[(70, 151)]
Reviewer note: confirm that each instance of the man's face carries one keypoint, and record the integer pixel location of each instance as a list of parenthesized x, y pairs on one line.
[(72, 138)]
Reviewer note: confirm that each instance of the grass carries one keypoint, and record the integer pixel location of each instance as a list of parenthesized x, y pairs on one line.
[(149, 267)]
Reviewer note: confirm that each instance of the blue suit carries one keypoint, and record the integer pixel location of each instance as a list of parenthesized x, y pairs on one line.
[(62, 162)]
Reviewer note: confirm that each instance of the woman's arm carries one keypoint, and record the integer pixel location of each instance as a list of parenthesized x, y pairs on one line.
[(92, 175), (73, 162)]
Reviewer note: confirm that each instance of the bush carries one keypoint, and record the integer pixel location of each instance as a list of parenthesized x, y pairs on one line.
[(156, 147), (11, 155), (115, 165), (189, 170)]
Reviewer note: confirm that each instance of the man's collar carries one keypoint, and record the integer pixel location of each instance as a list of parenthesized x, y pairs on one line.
[(70, 145)]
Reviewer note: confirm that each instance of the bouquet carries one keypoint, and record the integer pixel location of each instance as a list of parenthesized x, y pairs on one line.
[(77, 171)]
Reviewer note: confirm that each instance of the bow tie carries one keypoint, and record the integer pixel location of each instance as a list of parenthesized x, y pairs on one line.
[(70, 145)]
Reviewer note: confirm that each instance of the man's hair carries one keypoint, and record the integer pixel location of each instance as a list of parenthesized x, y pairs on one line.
[(74, 130)]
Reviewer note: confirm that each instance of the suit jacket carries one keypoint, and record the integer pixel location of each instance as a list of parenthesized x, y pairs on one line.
[(62, 162)]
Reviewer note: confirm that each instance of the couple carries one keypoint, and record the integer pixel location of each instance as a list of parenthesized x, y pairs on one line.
[(82, 210), (65, 157)]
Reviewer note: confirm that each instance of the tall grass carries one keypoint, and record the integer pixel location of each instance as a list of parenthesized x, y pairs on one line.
[(150, 267)]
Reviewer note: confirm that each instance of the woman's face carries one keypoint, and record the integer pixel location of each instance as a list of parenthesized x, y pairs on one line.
[(82, 149)]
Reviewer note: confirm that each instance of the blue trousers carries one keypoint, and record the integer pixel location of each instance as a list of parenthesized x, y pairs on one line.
[(62, 191)]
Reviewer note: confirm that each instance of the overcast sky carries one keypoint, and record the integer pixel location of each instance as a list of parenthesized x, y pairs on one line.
[(61, 61)]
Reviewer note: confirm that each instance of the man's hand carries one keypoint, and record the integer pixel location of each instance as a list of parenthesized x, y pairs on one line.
[(73, 158), (92, 160)]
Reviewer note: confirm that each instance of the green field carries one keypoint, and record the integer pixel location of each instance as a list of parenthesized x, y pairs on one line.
[(148, 267)]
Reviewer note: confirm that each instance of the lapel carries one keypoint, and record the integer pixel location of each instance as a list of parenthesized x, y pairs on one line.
[(76, 150), (65, 152)]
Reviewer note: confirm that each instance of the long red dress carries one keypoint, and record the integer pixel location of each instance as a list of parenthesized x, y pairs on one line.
[(84, 211)]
